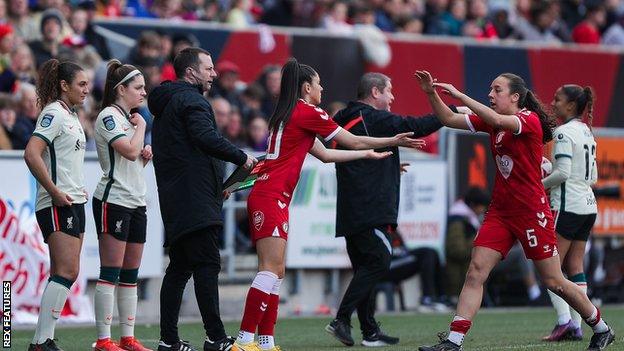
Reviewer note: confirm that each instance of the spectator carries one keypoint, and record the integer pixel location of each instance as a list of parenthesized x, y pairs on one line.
[(452, 21), (7, 123), (89, 33), (257, 134), (270, 80), (614, 34), (239, 15), (18, 128), (227, 83), (500, 22), (49, 46), (234, 129), (432, 16), (7, 42), (539, 26), (410, 24), (385, 14), (463, 224), (167, 9), (251, 99), (179, 42), (84, 54), (222, 111), (21, 20), (146, 51), (21, 69), (335, 21), (588, 31), (375, 48), (4, 19)]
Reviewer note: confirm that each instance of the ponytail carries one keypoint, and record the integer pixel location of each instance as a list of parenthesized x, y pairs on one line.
[(529, 101), (51, 74), (293, 77), (584, 99), (589, 96), (114, 75)]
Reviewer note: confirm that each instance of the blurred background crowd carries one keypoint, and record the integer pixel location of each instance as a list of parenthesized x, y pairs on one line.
[(33, 31)]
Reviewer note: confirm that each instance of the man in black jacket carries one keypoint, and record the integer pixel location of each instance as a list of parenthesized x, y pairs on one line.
[(368, 203), (188, 159)]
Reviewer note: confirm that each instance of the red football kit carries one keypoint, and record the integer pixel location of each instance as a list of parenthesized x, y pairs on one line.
[(519, 208), (267, 205)]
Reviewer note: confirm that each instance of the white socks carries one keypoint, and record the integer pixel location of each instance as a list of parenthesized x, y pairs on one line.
[(561, 307), (245, 337), (266, 342), (127, 304), (104, 301), (52, 303)]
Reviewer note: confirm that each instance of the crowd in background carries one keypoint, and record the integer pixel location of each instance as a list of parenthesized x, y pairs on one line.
[(33, 31)]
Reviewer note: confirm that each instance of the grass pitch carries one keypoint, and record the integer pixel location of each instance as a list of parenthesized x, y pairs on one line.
[(493, 329)]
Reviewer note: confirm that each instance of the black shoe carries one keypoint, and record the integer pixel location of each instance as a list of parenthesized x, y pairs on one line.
[(48, 345), (378, 338), (224, 344), (178, 346), (600, 341), (444, 345), (341, 331)]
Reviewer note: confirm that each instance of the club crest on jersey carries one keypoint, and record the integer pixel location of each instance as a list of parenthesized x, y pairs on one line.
[(118, 226), (258, 219), (109, 122), (46, 120), (285, 227)]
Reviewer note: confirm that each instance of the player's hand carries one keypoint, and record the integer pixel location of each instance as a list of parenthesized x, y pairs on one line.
[(226, 194), (146, 153), (404, 167), (425, 81), (61, 199), (406, 140), (373, 155), (136, 119), (250, 162), (465, 110), (85, 192), (448, 89)]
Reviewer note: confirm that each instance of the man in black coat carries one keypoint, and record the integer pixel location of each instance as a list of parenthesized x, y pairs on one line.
[(368, 204), (188, 158)]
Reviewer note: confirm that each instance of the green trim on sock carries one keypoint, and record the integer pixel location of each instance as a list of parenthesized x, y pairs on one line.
[(110, 274), (578, 278), (129, 276), (60, 280)]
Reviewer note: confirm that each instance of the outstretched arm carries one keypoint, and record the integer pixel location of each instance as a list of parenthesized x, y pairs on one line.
[(358, 142), (440, 109), (329, 155)]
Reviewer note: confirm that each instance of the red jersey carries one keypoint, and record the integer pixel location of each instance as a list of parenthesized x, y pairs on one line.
[(287, 149), (518, 185)]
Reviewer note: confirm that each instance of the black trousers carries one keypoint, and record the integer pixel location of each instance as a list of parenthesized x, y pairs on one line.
[(196, 254), (370, 253)]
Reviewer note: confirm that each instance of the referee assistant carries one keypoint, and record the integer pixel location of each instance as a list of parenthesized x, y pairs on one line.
[(368, 202)]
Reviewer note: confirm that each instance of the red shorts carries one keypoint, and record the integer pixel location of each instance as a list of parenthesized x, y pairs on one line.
[(268, 217), (535, 231)]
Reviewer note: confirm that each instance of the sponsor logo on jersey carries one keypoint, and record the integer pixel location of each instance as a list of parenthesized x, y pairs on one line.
[(109, 122), (258, 219), (505, 165), (46, 120)]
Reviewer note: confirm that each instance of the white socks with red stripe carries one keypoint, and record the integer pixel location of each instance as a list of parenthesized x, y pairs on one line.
[(104, 301), (596, 322), (127, 304), (52, 303)]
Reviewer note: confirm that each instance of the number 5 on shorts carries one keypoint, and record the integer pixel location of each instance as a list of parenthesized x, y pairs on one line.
[(531, 238)]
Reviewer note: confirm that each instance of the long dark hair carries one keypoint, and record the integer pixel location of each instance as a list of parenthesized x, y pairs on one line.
[(115, 73), (584, 99), (529, 101), (293, 77), (51, 74)]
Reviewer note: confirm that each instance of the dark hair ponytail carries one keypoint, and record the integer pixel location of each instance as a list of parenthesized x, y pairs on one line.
[(529, 101), (583, 98), (115, 73), (51, 74), (293, 76)]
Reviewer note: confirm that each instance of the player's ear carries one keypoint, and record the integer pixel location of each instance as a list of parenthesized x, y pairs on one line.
[(515, 97)]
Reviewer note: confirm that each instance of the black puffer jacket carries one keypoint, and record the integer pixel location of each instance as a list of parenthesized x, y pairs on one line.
[(188, 153), (368, 190)]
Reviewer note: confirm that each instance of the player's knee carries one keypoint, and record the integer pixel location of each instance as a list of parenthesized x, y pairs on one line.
[(69, 273), (553, 284), (477, 273)]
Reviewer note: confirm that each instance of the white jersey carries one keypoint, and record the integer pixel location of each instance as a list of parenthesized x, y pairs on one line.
[(574, 140), (60, 128), (123, 182)]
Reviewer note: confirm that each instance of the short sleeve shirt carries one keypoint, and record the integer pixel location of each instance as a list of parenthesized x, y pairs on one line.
[(60, 128), (122, 181)]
